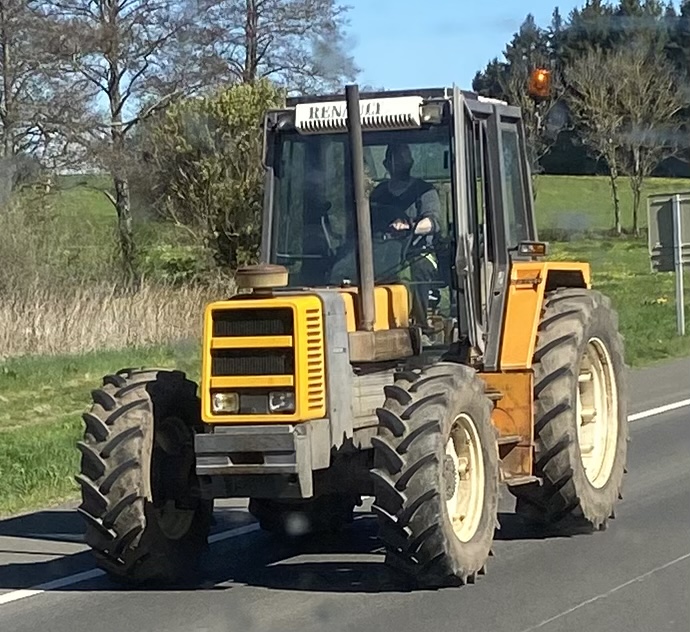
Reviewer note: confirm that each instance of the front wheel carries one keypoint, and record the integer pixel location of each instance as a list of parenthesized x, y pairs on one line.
[(436, 474), (145, 522)]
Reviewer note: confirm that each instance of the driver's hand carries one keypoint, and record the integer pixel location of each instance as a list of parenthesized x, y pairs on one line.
[(400, 224)]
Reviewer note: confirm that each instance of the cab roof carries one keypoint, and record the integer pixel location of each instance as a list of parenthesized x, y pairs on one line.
[(425, 93)]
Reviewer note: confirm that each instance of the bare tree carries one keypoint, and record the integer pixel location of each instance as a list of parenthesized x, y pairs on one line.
[(626, 103), (123, 50), (299, 44), (29, 97), (649, 102), (594, 91)]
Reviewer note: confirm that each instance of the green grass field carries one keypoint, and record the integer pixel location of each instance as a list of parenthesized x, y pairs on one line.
[(42, 398), (583, 203), (645, 301), (84, 208)]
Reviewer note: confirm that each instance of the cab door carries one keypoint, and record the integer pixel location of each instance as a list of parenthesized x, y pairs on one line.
[(510, 210)]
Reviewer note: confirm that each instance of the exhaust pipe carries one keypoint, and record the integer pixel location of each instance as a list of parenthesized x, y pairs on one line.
[(365, 258)]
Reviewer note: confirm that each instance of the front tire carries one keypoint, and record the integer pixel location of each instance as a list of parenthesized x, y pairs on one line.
[(436, 474), (145, 522), (581, 426)]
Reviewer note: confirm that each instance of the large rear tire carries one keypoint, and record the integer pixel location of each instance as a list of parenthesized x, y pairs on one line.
[(581, 427), (145, 522), (436, 475)]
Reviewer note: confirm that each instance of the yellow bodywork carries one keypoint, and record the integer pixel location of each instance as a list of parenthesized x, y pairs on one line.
[(513, 417), (308, 379), (306, 343), (392, 307), (528, 283), (513, 414)]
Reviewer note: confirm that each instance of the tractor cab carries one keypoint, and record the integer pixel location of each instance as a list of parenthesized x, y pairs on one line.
[(467, 171)]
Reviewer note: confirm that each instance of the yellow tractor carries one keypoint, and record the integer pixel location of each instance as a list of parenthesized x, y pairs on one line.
[(405, 337)]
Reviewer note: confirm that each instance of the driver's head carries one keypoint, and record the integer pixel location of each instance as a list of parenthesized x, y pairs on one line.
[(398, 161)]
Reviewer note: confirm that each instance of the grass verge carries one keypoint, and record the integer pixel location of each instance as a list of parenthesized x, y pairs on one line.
[(583, 204), (70, 319), (41, 401)]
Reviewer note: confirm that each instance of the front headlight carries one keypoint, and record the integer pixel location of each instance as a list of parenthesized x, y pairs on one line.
[(281, 402), (225, 403)]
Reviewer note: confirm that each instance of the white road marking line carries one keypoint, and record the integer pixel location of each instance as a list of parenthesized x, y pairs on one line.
[(56, 584), (70, 580), (77, 578), (608, 593), (660, 410), (77, 538), (233, 533)]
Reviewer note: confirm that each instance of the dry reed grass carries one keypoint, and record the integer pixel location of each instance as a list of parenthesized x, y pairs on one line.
[(58, 296), (93, 317)]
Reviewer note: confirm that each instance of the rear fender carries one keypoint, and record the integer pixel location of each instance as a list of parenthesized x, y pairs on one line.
[(529, 282)]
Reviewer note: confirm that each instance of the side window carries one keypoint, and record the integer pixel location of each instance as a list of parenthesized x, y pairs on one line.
[(480, 213), (513, 189)]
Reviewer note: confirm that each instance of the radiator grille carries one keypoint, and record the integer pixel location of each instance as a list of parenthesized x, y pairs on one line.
[(252, 322), (228, 362)]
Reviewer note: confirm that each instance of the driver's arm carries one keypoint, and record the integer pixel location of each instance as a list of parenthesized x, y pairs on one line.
[(429, 213)]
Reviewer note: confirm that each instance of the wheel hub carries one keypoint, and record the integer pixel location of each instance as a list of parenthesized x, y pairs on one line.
[(450, 477)]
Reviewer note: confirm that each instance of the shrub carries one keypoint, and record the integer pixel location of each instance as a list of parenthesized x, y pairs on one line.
[(204, 172)]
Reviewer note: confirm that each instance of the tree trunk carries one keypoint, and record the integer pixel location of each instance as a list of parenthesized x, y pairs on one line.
[(613, 177), (118, 157), (123, 208), (636, 182), (7, 108), (124, 227), (251, 51), (637, 197)]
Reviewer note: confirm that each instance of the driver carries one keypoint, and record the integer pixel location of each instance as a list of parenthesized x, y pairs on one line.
[(403, 203)]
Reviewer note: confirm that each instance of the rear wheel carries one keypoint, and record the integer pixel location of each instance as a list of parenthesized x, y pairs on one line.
[(145, 522), (436, 475), (581, 423)]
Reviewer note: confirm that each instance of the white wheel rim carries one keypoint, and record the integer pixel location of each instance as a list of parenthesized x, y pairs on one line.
[(463, 478), (597, 413)]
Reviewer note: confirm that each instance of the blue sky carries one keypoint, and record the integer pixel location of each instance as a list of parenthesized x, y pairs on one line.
[(431, 43)]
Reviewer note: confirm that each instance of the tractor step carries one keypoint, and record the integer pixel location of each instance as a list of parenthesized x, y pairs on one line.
[(494, 395), (509, 439), (522, 480)]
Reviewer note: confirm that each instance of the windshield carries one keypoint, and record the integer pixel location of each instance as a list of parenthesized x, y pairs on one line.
[(314, 213)]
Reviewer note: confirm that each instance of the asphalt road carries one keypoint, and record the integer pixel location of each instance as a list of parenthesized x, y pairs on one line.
[(633, 577)]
